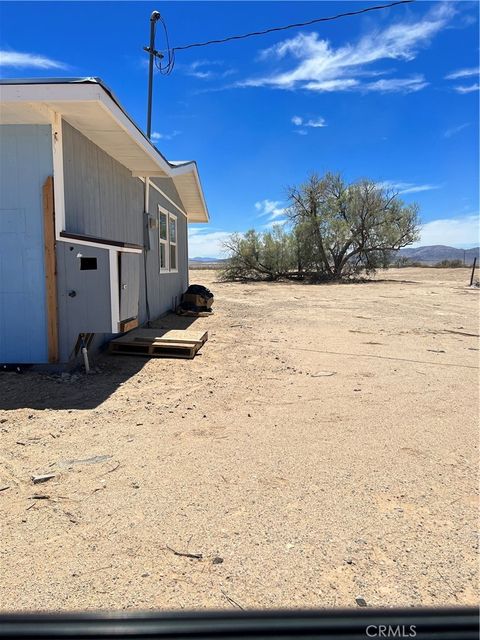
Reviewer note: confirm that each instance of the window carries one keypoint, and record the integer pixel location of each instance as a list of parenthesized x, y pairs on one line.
[(163, 235), (168, 241), (172, 233)]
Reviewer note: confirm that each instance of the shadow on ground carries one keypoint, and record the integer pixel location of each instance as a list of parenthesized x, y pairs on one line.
[(37, 390)]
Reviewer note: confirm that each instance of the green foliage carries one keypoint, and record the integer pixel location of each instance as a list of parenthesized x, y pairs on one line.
[(402, 261), (449, 264), (353, 227), (267, 256), (337, 230)]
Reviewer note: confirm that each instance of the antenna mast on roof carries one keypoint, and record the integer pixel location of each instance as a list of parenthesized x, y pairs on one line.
[(152, 54)]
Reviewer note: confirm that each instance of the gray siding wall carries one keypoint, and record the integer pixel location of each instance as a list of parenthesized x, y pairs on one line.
[(102, 199), (164, 288)]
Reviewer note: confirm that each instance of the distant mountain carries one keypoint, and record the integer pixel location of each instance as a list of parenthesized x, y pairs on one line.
[(205, 260), (439, 252), (430, 254)]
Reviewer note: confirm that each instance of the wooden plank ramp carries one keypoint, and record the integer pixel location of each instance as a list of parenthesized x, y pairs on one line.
[(160, 343)]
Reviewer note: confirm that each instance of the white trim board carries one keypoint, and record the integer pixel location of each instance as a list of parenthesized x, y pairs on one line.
[(162, 193), (98, 245), (114, 290), (58, 182)]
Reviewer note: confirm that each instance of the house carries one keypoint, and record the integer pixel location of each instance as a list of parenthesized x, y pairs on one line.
[(93, 221)]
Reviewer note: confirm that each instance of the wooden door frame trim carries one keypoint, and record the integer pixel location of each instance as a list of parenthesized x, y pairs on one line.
[(50, 269)]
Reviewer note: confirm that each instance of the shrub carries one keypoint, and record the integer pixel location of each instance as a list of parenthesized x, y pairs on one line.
[(449, 264)]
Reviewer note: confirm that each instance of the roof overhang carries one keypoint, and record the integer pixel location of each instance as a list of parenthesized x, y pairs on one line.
[(91, 108)]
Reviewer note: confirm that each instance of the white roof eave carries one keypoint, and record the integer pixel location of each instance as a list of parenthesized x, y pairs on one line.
[(87, 106)]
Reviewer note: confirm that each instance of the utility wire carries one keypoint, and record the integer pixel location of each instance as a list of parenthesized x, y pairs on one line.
[(166, 69), (292, 26)]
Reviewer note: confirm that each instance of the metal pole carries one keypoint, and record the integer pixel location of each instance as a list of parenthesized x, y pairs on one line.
[(151, 50), (473, 270)]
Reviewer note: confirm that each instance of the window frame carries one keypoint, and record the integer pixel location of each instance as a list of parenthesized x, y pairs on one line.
[(164, 242), (167, 243), (173, 218)]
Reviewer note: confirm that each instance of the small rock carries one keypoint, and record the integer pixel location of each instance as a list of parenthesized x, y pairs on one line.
[(145, 575), (349, 561), (323, 374), (3, 420), (361, 601), (44, 478), (217, 560)]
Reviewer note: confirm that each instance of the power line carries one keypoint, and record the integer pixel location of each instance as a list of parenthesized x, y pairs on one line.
[(291, 26), (166, 69)]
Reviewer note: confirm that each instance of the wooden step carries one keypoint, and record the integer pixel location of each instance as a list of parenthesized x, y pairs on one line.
[(160, 343)]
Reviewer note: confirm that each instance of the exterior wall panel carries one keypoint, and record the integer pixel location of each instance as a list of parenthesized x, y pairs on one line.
[(101, 197), (25, 163), (164, 288)]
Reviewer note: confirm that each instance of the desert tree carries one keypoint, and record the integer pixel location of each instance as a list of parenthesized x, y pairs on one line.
[(349, 228)]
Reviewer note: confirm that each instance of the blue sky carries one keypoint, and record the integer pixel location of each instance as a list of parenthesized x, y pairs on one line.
[(391, 95)]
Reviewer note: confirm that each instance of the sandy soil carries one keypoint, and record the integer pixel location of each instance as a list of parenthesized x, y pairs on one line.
[(322, 446)]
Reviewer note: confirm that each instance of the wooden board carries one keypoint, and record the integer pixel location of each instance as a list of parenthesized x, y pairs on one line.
[(165, 335), (160, 343), (198, 301), (50, 269), (128, 325), (156, 349)]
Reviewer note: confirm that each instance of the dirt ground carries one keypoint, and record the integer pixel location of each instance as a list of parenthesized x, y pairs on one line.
[(322, 446)]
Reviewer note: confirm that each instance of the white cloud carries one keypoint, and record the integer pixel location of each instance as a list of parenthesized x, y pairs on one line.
[(417, 188), (202, 69), (314, 123), (407, 187), (270, 209), (458, 231), (389, 85), (156, 135), (318, 122), (318, 66), (273, 223), (203, 243), (454, 130), (468, 88), (463, 73), (19, 60)]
